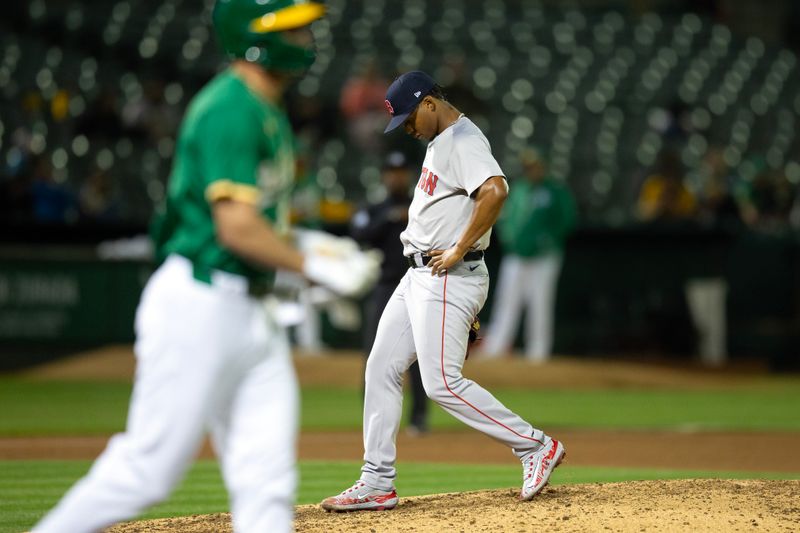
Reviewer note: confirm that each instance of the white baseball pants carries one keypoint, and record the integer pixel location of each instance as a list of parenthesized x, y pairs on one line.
[(428, 318), (209, 358), (706, 299), (531, 283)]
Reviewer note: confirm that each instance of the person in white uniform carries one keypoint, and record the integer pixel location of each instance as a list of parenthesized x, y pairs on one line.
[(459, 195), (210, 355), (538, 216)]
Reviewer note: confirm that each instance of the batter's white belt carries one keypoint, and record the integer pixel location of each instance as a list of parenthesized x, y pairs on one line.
[(420, 260), (224, 280)]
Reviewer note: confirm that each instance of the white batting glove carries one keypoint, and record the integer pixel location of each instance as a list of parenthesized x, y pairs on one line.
[(338, 263), (352, 274)]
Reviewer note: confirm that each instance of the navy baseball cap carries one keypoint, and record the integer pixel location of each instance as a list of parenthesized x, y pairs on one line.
[(404, 95)]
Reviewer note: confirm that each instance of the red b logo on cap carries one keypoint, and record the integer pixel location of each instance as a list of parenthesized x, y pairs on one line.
[(389, 107)]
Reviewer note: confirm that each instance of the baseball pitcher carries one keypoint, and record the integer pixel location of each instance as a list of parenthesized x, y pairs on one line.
[(459, 196)]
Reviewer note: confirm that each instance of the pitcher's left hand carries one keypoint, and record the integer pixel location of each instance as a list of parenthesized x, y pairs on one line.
[(441, 260)]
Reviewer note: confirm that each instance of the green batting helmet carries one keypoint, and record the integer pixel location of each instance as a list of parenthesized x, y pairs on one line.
[(251, 30)]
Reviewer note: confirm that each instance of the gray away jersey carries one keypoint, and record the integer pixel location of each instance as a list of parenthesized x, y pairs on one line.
[(458, 161)]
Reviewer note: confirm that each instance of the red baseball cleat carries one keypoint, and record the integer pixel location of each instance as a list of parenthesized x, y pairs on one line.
[(361, 497), (537, 467)]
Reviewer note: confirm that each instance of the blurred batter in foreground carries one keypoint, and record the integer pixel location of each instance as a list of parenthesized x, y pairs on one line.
[(210, 355)]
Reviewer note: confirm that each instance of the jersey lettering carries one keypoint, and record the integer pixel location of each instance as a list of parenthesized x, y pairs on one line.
[(428, 181)]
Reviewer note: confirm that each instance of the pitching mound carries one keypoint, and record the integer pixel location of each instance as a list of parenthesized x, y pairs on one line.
[(680, 505)]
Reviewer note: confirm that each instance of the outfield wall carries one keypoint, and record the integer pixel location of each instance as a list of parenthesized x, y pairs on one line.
[(621, 291)]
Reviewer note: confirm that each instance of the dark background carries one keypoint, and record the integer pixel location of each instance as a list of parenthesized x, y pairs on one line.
[(91, 95)]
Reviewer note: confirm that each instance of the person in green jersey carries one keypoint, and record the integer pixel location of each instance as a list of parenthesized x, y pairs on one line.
[(538, 216), (210, 355)]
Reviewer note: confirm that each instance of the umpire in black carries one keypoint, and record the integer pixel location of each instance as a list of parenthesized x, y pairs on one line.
[(379, 226)]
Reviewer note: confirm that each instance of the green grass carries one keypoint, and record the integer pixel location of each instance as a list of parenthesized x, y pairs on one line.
[(32, 407), (29, 488), (86, 408), (62, 408), (607, 409)]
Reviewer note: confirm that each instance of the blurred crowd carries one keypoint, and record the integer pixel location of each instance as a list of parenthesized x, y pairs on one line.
[(748, 196), (61, 186), (722, 190), (87, 139), (35, 188)]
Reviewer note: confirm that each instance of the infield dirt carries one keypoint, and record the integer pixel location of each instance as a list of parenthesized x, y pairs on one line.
[(679, 505)]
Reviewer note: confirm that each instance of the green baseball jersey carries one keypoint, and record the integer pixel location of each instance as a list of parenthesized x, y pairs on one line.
[(536, 218), (232, 145)]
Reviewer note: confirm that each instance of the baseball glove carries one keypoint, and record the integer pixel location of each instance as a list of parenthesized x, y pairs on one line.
[(474, 329)]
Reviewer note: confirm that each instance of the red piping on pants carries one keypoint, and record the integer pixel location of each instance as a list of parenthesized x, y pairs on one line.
[(444, 378)]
